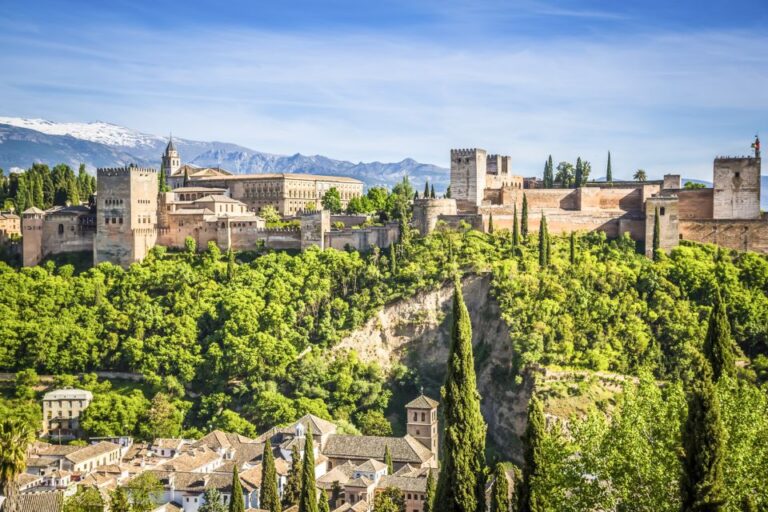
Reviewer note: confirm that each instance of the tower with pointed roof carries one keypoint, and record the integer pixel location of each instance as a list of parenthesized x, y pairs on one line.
[(171, 161), (422, 421)]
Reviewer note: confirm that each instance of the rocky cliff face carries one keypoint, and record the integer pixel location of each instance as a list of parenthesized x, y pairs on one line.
[(416, 333)]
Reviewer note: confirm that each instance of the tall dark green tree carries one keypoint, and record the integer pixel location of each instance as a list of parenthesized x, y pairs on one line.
[(656, 235), (701, 485), (269, 497), (515, 228), (500, 495), (718, 345), (579, 174), (426, 189), (545, 179), (388, 460), (323, 505), (461, 483), (292, 489), (429, 499), (448, 192), (432, 192), (186, 177), (544, 250), (237, 502), (524, 218), (608, 171), (393, 259), (162, 184), (533, 454), (572, 247), (308, 496), (490, 223)]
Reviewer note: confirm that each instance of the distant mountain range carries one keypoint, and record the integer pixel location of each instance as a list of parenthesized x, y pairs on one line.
[(99, 144)]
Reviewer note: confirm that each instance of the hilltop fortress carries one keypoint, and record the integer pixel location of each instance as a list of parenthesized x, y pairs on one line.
[(130, 215), (483, 186)]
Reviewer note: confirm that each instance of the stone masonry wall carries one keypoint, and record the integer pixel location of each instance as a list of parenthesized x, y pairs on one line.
[(740, 235), (695, 203)]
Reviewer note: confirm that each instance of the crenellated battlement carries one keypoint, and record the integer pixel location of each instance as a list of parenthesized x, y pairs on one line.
[(734, 158), (289, 229), (465, 152), (122, 171)]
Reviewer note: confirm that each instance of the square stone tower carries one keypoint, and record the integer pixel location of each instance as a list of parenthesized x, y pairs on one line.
[(126, 214), (669, 225), (737, 188), (468, 170), (422, 422)]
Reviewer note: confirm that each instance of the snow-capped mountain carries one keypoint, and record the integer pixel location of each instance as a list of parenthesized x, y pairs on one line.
[(99, 144)]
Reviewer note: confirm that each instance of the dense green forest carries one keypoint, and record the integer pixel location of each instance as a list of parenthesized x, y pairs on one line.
[(44, 187), (242, 343)]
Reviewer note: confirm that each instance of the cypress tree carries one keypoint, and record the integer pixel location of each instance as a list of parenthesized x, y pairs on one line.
[(718, 345), (293, 485), (448, 192), (656, 235), (426, 189), (543, 242), (161, 183), (579, 173), (432, 192), (323, 505), (524, 218), (393, 259), (490, 223), (461, 483), (515, 229), (388, 460), (608, 172), (550, 173), (269, 497), (230, 264), (573, 248), (308, 496), (429, 500), (186, 177), (701, 485), (500, 496), (236, 503), (530, 500)]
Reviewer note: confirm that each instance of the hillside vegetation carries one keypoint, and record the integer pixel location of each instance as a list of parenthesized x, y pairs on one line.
[(243, 345)]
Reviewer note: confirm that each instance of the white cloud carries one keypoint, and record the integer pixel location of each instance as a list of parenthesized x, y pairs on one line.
[(662, 102)]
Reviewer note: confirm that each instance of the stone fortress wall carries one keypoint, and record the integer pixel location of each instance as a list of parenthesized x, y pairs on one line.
[(727, 214)]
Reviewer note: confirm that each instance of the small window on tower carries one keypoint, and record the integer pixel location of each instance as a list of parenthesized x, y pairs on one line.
[(662, 211), (738, 175)]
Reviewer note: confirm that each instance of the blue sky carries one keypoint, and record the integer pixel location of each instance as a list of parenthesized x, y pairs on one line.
[(665, 85)]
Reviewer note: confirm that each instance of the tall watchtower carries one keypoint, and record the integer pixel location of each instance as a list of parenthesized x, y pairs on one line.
[(32, 240), (126, 214), (736, 188), (422, 422), (468, 170), (171, 161)]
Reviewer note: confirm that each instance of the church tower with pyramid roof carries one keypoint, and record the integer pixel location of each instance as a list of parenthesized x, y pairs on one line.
[(171, 161)]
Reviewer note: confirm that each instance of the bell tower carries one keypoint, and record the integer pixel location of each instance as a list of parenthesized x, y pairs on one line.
[(422, 422), (171, 161)]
